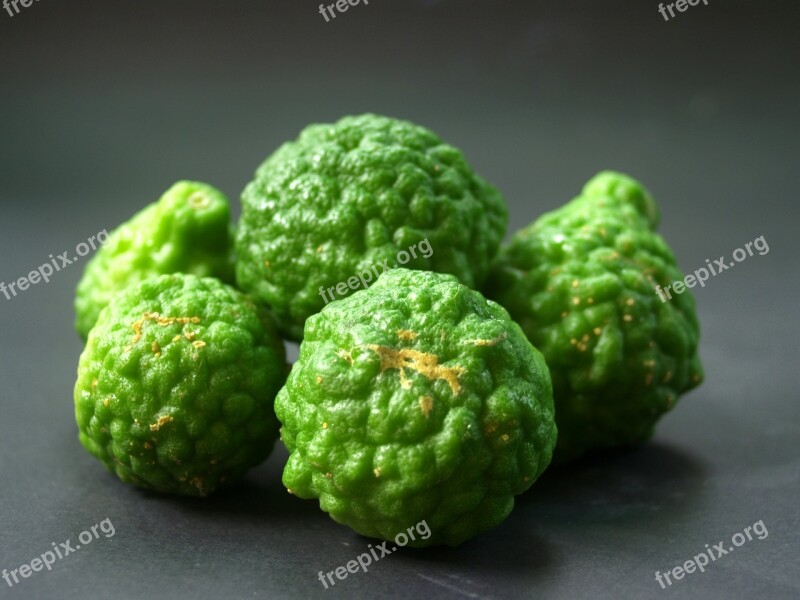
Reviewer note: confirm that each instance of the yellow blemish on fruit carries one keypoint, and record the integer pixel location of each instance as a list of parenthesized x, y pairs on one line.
[(319, 379), (576, 300), (504, 437), (590, 301), (328, 475), (156, 350), (161, 422), (190, 335), (163, 321), (426, 404), (630, 302), (406, 334), (564, 314), (267, 264), (492, 342), (94, 382), (320, 249), (424, 363), (177, 338), (290, 490), (106, 402), (597, 331), (324, 425), (199, 344), (649, 363), (627, 318), (376, 472), (199, 201), (575, 283), (148, 445), (345, 354)]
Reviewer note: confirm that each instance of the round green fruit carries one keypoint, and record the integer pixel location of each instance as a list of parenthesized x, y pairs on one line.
[(416, 400), (581, 281), (176, 385), (188, 230), (359, 197)]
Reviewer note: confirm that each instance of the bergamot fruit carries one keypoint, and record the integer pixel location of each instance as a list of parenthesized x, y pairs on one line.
[(188, 230), (416, 399), (358, 197), (580, 281), (176, 385)]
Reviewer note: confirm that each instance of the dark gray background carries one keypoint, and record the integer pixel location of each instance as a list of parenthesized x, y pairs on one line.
[(104, 104)]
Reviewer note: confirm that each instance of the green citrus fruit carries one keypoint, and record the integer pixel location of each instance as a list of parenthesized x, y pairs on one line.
[(580, 281), (176, 385), (188, 230), (416, 400), (329, 212)]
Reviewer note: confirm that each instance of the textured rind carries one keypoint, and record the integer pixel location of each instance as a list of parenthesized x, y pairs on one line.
[(186, 404), (449, 440), (348, 196), (580, 281), (188, 230)]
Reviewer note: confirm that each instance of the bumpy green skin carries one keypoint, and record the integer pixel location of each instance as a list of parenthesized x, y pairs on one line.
[(416, 399), (176, 385), (188, 230), (348, 196), (580, 281)]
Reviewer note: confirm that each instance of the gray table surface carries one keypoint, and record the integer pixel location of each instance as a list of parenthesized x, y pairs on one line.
[(104, 105)]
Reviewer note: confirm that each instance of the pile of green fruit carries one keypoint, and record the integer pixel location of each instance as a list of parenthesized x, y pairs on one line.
[(413, 399)]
